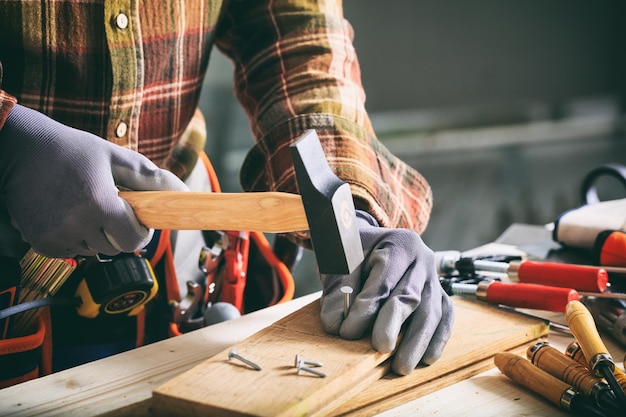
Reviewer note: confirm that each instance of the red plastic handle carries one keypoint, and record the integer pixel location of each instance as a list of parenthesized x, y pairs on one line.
[(236, 268), (538, 297), (581, 278)]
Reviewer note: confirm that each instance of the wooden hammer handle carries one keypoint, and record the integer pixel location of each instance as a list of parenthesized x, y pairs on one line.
[(271, 212)]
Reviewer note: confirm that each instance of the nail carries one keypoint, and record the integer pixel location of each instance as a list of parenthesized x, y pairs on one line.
[(346, 290), (301, 367), (306, 362), (233, 354)]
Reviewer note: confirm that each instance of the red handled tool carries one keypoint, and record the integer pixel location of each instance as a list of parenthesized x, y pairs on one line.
[(533, 296), (581, 278), (236, 256), (229, 284)]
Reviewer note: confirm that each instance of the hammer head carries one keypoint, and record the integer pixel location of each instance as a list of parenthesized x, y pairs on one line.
[(329, 208)]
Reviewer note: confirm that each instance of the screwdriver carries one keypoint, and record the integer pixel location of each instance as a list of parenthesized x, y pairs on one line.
[(583, 328), (557, 364), (533, 296), (575, 352), (581, 278), (553, 389)]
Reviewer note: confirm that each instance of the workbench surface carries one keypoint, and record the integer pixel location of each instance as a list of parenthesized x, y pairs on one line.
[(123, 384)]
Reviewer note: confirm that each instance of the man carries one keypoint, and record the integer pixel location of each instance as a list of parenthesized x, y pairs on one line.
[(131, 72)]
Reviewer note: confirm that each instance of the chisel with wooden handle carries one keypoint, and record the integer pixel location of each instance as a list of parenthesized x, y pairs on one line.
[(561, 366), (553, 389), (583, 328), (574, 351)]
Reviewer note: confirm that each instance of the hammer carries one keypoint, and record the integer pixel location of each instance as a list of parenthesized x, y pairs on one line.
[(324, 207)]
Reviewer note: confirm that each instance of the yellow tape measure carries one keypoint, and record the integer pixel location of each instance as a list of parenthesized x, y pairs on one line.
[(118, 285)]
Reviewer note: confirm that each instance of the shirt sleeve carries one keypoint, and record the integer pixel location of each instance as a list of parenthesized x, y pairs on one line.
[(296, 69)]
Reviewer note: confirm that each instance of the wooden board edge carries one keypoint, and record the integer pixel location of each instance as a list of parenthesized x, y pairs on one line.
[(378, 404), (165, 403)]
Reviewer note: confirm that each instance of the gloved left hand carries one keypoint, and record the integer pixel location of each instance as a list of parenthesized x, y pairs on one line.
[(60, 186), (396, 289)]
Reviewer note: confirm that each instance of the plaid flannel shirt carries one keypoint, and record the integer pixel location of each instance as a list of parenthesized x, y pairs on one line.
[(131, 71)]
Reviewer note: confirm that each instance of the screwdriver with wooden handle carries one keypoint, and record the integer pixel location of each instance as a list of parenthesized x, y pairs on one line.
[(561, 366), (581, 278), (583, 328), (574, 351), (553, 389)]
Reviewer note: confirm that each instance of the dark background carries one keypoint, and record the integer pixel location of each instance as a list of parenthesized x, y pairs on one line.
[(503, 105)]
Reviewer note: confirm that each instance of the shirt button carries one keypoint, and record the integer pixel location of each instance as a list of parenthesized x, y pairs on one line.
[(121, 21), (121, 129)]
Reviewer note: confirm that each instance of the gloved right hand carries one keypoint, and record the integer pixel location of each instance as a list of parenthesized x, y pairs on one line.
[(59, 185), (396, 288)]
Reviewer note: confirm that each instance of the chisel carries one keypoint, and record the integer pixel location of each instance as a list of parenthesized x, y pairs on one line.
[(537, 297), (575, 352), (583, 328), (560, 366), (553, 389), (581, 278)]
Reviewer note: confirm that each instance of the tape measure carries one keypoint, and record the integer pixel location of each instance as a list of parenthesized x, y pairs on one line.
[(119, 285)]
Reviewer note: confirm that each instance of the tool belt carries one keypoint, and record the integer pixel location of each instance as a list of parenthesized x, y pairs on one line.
[(84, 322)]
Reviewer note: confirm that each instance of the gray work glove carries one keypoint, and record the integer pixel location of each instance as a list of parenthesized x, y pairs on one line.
[(395, 288), (60, 184)]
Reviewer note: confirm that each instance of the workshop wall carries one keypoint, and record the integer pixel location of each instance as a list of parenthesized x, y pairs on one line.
[(452, 53), (502, 105)]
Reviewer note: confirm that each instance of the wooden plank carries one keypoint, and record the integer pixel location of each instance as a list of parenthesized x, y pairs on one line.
[(342, 406), (479, 332), (122, 385), (388, 399), (460, 360), (277, 390)]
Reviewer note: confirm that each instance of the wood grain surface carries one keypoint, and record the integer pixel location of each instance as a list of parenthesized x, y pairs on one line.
[(353, 384), (270, 212)]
